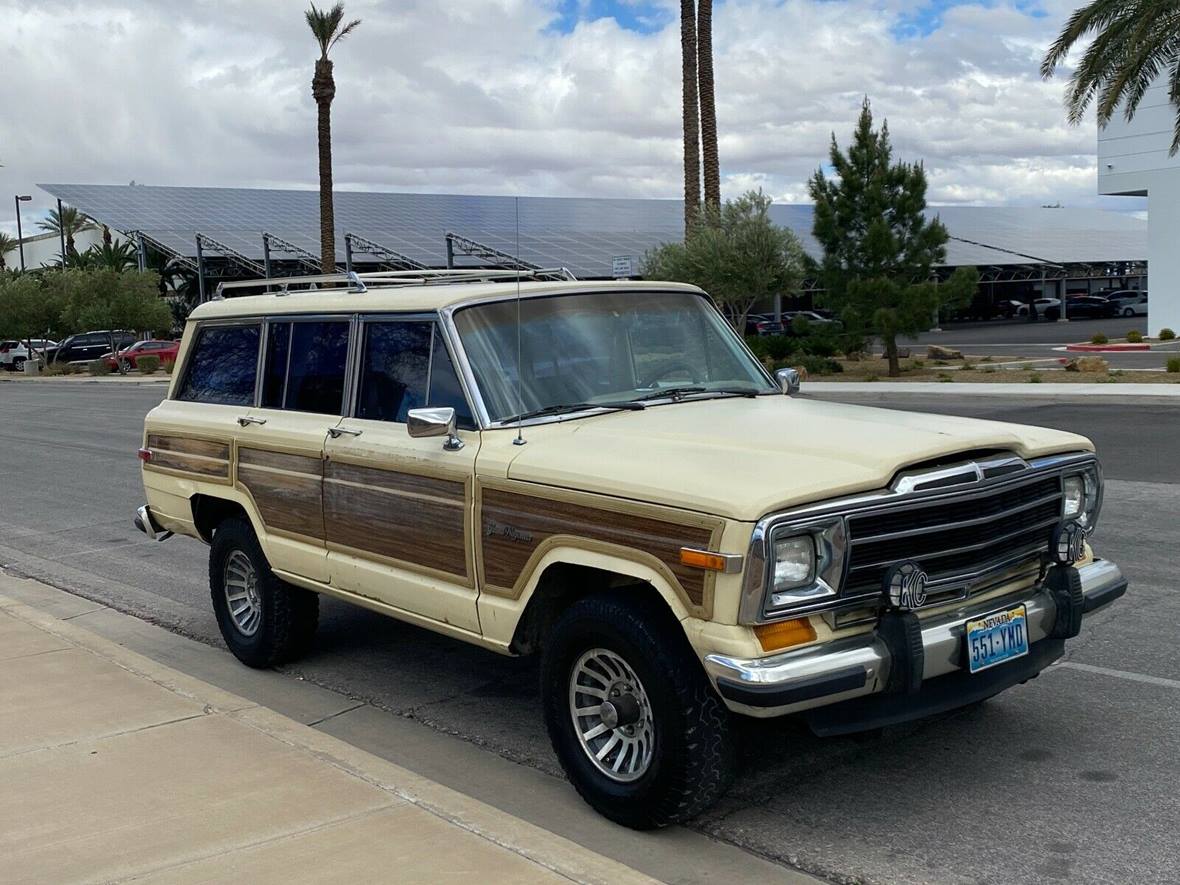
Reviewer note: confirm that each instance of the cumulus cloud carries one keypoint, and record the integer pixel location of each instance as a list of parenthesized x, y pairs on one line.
[(538, 97)]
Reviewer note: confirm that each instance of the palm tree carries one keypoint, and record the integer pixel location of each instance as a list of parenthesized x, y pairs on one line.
[(328, 30), (692, 136), (1135, 41), (72, 221), (712, 161), (7, 244)]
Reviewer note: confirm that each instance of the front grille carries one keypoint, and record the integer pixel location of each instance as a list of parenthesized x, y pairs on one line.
[(955, 536)]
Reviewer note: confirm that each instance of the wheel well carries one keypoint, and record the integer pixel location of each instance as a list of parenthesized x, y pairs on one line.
[(564, 583), (209, 512)]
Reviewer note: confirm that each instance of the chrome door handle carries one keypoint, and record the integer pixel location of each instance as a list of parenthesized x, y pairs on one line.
[(337, 432), (248, 420)]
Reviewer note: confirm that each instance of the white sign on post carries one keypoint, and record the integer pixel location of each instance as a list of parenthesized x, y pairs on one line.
[(621, 267)]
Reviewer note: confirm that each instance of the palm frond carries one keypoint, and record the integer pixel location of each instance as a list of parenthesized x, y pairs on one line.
[(325, 26)]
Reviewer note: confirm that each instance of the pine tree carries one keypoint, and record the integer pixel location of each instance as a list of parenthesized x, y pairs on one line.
[(880, 250)]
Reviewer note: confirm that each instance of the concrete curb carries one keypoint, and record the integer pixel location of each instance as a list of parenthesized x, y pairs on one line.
[(1107, 348), (540, 846), (1109, 390), (16, 377)]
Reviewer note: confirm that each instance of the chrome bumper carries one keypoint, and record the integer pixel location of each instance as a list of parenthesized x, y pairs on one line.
[(144, 522), (845, 669)]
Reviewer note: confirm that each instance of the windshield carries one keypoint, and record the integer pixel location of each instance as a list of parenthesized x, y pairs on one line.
[(602, 347)]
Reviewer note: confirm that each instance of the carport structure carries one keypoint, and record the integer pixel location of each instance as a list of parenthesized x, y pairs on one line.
[(235, 233)]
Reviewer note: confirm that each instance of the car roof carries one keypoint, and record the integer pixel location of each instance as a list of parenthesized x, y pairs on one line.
[(413, 299)]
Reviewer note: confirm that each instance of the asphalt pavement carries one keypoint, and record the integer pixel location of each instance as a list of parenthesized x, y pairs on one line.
[(1044, 340), (1069, 778)]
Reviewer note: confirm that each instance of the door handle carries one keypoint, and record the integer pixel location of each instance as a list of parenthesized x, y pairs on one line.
[(247, 420), (337, 432)]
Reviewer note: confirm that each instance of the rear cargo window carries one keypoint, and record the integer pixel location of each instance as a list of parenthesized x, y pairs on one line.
[(223, 366)]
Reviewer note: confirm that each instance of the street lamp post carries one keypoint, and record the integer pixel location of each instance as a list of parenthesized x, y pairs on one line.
[(20, 238)]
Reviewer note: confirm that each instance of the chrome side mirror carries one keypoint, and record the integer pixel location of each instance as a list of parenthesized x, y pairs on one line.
[(788, 381), (434, 422)]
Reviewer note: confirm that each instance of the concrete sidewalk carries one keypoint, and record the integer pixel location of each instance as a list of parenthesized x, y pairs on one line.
[(115, 767), (1015, 388)]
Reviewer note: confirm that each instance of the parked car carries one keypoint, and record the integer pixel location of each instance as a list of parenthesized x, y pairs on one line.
[(128, 357), (1048, 308), (89, 346), (815, 317), (763, 324), (601, 474), (1089, 307), (1128, 302), (14, 353)]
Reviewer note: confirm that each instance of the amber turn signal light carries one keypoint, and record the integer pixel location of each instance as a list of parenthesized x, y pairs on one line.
[(730, 563), (784, 634)]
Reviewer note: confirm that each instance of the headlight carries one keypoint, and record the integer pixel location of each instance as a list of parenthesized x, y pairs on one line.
[(1083, 496), (806, 564)]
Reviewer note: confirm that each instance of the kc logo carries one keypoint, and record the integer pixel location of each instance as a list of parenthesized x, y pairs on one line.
[(905, 586)]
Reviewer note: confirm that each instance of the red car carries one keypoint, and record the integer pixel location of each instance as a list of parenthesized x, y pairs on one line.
[(129, 356)]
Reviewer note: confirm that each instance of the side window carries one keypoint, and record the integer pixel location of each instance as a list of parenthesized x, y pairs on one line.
[(315, 375), (274, 377), (405, 365), (223, 366)]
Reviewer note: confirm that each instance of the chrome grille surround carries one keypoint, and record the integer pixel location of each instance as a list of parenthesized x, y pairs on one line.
[(1024, 497)]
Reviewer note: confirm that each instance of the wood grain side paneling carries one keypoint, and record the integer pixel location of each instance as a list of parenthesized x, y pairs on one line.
[(203, 458), (420, 521), (512, 526), (287, 489)]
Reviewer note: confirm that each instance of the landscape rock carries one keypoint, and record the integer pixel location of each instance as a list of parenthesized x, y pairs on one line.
[(934, 352)]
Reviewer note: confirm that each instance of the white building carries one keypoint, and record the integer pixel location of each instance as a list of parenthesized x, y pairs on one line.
[(1133, 161), (44, 249)]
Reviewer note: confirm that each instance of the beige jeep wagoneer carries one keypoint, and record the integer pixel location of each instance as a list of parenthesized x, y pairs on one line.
[(603, 474)]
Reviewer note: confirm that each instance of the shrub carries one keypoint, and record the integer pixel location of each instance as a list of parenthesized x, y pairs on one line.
[(779, 347), (148, 365), (56, 369), (98, 367), (1034, 378), (1134, 336), (1167, 334), (168, 366), (1174, 365), (817, 365), (1098, 338), (945, 377), (986, 359), (919, 364)]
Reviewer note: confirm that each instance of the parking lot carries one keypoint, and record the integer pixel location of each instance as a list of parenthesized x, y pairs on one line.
[(1070, 777)]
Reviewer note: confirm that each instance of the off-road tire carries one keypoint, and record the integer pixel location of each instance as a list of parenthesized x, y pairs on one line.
[(693, 761), (289, 614)]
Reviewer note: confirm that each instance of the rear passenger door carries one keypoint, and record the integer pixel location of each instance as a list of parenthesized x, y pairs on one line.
[(398, 511), (280, 448)]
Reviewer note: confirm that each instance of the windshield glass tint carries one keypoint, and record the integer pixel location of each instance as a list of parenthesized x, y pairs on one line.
[(601, 347)]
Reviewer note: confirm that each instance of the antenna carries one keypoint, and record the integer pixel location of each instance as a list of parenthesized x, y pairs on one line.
[(520, 440)]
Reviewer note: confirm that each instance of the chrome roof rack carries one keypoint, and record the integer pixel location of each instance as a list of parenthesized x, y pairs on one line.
[(360, 282)]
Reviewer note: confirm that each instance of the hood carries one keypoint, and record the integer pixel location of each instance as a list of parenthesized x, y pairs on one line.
[(743, 458)]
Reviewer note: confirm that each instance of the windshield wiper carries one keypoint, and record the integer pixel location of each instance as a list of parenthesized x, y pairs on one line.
[(564, 408), (676, 393)]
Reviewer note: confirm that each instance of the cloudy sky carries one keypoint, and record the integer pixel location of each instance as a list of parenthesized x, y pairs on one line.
[(536, 97)]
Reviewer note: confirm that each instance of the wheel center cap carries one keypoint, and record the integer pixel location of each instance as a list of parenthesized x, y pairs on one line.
[(620, 712)]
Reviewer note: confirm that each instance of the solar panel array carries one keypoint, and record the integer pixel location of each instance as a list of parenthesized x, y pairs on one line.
[(583, 234)]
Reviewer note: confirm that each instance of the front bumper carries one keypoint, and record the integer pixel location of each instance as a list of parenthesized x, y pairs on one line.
[(901, 670)]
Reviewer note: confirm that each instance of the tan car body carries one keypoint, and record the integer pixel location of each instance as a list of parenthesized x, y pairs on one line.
[(459, 541)]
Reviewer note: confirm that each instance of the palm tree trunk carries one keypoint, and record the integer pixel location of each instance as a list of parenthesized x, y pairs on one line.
[(692, 148), (712, 161), (323, 89)]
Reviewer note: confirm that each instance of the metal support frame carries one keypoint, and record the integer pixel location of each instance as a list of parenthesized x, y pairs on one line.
[(200, 272), (465, 246), (272, 242), (143, 240), (249, 265), (355, 244)]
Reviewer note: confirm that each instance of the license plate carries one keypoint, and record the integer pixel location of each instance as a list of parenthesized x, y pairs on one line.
[(998, 637)]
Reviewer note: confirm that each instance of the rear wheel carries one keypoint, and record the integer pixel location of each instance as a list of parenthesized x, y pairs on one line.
[(264, 620), (1129, 312), (633, 720)]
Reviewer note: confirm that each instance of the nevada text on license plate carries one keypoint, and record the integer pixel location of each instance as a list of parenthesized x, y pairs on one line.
[(998, 637)]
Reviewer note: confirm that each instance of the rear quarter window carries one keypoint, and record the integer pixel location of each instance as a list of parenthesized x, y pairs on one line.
[(223, 366)]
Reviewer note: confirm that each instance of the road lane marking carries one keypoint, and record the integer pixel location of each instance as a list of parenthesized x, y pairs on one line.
[(1121, 674)]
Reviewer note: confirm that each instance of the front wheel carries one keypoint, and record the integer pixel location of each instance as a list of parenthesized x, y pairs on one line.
[(633, 720), (264, 620), (1129, 312)]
